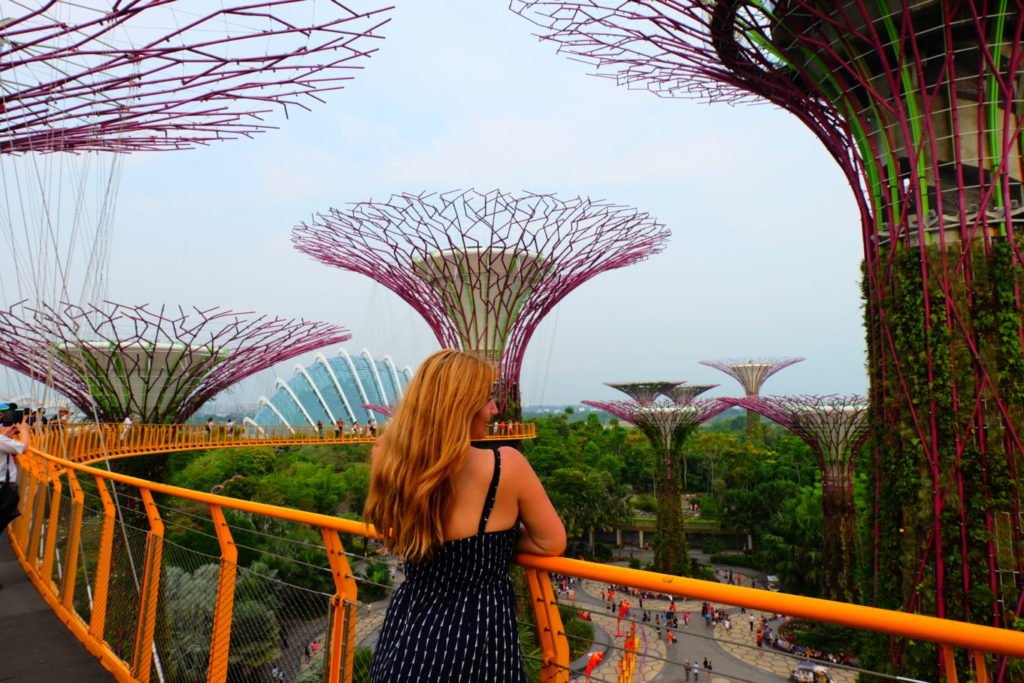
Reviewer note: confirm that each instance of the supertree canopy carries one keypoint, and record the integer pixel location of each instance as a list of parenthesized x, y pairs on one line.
[(666, 424), (684, 393), (751, 373), (643, 393), (918, 102), (166, 74), (482, 268), (157, 366), (835, 428)]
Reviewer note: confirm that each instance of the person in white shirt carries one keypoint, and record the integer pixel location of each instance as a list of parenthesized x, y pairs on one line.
[(10, 448), (127, 426)]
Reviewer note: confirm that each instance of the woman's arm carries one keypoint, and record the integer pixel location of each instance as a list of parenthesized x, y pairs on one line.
[(542, 532)]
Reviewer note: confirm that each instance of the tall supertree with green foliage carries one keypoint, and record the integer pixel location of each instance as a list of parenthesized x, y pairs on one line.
[(919, 103), (666, 422), (835, 428)]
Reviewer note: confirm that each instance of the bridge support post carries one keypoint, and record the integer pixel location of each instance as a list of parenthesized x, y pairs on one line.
[(50, 542), (550, 632), (36, 505), (341, 645), (220, 643), (142, 653), (67, 591), (101, 589)]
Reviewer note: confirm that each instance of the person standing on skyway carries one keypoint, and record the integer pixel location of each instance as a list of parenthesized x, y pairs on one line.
[(454, 514), (10, 448)]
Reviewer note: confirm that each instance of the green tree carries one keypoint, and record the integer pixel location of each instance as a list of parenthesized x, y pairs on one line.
[(791, 542), (189, 602), (587, 501)]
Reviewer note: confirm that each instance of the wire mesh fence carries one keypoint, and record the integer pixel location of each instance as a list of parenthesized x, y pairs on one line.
[(123, 594), (169, 582)]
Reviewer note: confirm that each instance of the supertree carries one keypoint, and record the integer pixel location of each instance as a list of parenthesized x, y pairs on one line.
[(666, 424), (835, 428), (155, 365), (82, 83), (482, 268), (751, 373), (917, 101)]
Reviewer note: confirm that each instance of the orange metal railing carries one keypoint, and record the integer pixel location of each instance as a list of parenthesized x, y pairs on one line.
[(59, 538), (93, 442)]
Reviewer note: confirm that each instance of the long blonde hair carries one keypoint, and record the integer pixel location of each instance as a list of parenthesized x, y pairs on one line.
[(426, 444)]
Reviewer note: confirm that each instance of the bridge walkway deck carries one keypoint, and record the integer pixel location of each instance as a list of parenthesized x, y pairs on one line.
[(34, 646)]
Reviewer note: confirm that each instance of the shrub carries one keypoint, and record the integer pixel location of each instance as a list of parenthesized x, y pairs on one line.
[(581, 636), (711, 544), (749, 561), (646, 502), (374, 582)]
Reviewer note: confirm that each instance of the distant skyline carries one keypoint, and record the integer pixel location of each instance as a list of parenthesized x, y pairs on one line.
[(764, 259)]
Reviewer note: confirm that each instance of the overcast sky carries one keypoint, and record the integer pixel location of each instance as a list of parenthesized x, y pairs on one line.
[(763, 261)]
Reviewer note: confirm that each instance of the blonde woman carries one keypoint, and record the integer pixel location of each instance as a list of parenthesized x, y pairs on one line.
[(455, 514)]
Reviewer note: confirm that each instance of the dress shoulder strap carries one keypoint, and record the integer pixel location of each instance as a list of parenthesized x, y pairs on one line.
[(492, 492)]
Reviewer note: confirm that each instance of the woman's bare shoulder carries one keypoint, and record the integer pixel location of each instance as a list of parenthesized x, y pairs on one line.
[(514, 462)]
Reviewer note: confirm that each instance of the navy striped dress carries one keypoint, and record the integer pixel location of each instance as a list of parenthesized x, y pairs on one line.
[(454, 616)]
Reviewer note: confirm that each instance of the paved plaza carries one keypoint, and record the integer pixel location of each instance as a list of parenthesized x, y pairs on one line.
[(734, 655)]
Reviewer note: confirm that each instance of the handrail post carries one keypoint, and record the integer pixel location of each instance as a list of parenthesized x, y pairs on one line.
[(27, 482), (948, 663), (980, 669), (67, 591), (50, 544), (38, 506), (550, 631), (220, 638), (142, 653), (101, 589), (341, 639)]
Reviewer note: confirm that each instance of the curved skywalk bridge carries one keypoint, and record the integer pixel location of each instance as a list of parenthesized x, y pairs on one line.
[(104, 559), (94, 442)]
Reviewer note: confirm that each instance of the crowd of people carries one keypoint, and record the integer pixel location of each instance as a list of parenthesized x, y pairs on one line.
[(354, 431), (503, 428), (664, 621)]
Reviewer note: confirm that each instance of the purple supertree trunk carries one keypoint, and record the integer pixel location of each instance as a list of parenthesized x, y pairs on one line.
[(667, 425), (482, 268), (918, 103), (157, 366), (98, 76), (835, 428)]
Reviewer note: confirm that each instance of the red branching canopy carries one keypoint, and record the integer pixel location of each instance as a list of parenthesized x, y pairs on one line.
[(835, 427), (482, 268), (168, 74), (751, 373), (159, 365), (644, 393), (662, 419)]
